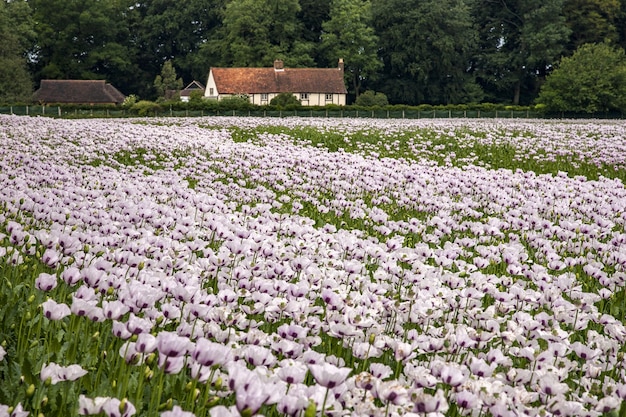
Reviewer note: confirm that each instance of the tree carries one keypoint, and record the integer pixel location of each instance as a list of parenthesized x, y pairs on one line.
[(426, 47), (591, 80), (84, 40), (16, 32), (349, 35), (591, 21), (519, 42), (256, 32), (165, 30), (168, 81)]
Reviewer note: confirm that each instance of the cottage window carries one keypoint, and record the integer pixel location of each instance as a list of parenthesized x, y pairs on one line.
[(329, 97), (211, 92), (263, 96), (304, 96)]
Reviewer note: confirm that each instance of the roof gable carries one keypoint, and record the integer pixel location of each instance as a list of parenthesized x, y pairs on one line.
[(78, 91), (191, 87), (284, 80)]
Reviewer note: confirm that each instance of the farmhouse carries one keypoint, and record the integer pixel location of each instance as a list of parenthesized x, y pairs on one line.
[(312, 86), (77, 92), (185, 93)]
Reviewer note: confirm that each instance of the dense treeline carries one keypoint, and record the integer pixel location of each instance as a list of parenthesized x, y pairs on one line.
[(413, 51)]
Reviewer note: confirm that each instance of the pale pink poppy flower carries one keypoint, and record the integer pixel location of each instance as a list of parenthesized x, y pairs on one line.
[(146, 343), (18, 411), (176, 411), (116, 408), (292, 405), (427, 403), (57, 373), (172, 345), (209, 353), (467, 399), (46, 282), (171, 364), (328, 375), (391, 392), (51, 258), (89, 406), (452, 375), (55, 311), (293, 373), (71, 275)]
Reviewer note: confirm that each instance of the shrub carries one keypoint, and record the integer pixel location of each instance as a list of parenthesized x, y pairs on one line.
[(240, 102), (146, 108), (285, 101), (371, 98)]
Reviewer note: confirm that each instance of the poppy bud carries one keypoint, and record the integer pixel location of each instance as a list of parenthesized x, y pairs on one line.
[(123, 405), (30, 390), (311, 410), (44, 401)]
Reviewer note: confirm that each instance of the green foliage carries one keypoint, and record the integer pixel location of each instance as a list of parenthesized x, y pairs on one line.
[(255, 33), (592, 21), (130, 101), (167, 83), (591, 80), (145, 108), (518, 42), (371, 98), (16, 23), (238, 102), (413, 33), (285, 101), (349, 35)]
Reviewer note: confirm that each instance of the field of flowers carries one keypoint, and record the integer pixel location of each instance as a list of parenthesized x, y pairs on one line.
[(302, 267)]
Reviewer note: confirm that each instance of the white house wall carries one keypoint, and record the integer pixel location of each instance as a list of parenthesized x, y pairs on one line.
[(211, 89), (315, 99)]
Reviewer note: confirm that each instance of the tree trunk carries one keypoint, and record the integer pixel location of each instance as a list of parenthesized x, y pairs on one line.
[(516, 93)]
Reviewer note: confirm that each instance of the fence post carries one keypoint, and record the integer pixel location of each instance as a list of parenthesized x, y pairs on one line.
[(449, 114), (27, 111), (496, 114), (43, 109), (11, 109), (403, 113), (59, 110), (434, 111)]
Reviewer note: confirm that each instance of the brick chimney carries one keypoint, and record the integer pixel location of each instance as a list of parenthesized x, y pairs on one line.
[(279, 65), (341, 64)]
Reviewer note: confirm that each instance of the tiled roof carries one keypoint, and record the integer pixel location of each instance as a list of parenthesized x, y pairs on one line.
[(193, 86), (78, 91), (271, 80)]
